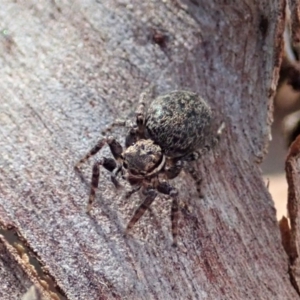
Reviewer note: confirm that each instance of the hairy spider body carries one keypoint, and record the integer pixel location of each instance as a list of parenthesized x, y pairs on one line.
[(179, 122), (176, 129), (142, 158)]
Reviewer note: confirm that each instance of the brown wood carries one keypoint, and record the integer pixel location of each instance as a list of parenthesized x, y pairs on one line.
[(67, 71), (292, 237), (295, 24)]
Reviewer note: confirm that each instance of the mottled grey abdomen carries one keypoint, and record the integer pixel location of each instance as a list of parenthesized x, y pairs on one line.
[(179, 122)]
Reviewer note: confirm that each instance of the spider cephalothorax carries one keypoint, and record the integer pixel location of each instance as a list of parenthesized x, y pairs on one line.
[(176, 129), (143, 158)]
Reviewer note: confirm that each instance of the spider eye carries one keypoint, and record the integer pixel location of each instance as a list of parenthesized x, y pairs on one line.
[(125, 165)]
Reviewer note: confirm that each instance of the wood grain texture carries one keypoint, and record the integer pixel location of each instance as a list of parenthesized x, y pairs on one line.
[(294, 15), (68, 69), (14, 281), (292, 168), (17, 276)]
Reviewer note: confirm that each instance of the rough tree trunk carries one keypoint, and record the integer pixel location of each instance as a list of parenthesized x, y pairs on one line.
[(67, 70)]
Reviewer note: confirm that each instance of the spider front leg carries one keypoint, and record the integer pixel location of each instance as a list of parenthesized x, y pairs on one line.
[(110, 165), (132, 191), (92, 152), (115, 148), (140, 114), (113, 176), (167, 189), (117, 123), (132, 136), (150, 195), (135, 130)]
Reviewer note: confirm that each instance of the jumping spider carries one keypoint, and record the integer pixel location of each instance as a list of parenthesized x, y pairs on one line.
[(175, 130)]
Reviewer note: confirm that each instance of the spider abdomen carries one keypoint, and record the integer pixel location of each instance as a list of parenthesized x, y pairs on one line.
[(179, 122)]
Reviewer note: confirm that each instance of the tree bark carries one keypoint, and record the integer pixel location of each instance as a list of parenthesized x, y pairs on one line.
[(68, 69), (290, 234)]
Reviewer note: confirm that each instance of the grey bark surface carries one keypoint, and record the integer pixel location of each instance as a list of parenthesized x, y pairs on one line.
[(68, 69)]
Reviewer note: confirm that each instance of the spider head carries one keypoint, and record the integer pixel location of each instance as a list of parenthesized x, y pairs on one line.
[(143, 159)]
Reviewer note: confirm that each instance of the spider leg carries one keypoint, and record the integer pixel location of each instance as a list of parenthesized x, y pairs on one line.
[(117, 123), (166, 188), (150, 195), (200, 153), (136, 131), (210, 145), (132, 136), (140, 112), (132, 191), (92, 152), (115, 148), (198, 180), (110, 165), (216, 139), (114, 175), (173, 168)]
